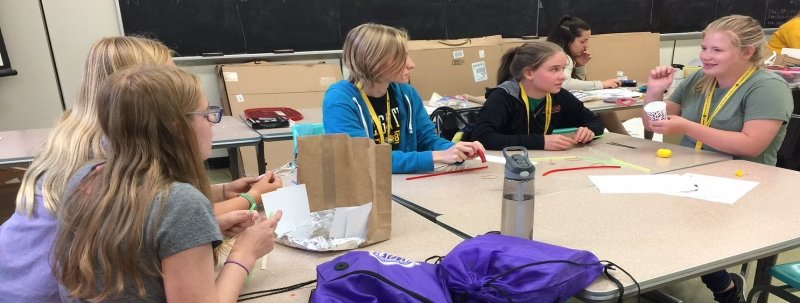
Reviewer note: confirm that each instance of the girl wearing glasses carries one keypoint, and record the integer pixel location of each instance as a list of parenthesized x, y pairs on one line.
[(26, 239), (141, 227), (377, 102)]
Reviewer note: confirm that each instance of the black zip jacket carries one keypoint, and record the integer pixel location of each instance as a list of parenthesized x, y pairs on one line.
[(502, 121)]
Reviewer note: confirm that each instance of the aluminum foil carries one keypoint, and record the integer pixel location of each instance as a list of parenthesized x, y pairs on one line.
[(316, 236)]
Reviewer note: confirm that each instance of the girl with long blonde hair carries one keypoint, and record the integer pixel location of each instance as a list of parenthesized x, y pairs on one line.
[(733, 105), (141, 226)]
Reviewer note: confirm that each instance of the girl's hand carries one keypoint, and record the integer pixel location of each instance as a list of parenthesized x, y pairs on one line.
[(256, 240), (236, 187), (558, 142), (675, 125), (267, 183), (231, 224), (459, 152), (583, 135), (660, 78), (583, 59)]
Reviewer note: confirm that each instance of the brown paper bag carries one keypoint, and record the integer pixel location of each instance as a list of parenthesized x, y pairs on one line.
[(340, 171)]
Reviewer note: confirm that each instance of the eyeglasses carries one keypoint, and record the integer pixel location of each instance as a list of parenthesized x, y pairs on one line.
[(213, 114)]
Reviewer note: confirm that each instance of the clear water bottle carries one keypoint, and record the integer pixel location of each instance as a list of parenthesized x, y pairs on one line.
[(518, 193)]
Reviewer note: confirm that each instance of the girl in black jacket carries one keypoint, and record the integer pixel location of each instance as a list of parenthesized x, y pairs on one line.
[(529, 103)]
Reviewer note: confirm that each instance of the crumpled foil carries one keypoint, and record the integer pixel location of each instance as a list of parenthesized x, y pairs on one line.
[(316, 236)]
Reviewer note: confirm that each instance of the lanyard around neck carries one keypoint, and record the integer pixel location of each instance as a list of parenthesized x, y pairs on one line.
[(375, 118), (548, 109), (705, 119)]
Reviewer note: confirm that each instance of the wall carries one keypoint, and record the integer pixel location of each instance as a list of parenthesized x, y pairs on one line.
[(30, 99)]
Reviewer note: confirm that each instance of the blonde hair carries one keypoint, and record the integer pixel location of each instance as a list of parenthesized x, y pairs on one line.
[(104, 223), (374, 52), (77, 137), (744, 32), (530, 55)]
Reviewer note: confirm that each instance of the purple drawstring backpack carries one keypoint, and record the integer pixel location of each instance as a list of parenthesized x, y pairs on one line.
[(500, 268), (362, 276)]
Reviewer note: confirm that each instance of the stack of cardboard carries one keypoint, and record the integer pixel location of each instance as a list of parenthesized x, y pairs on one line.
[(264, 84)]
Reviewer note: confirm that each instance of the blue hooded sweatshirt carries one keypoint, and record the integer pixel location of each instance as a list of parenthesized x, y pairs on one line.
[(345, 111)]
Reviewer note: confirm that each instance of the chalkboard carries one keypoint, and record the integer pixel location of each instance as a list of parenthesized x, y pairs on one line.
[(197, 27)]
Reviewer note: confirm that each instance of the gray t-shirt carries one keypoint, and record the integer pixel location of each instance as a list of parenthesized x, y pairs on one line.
[(188, 221), (765, 96)]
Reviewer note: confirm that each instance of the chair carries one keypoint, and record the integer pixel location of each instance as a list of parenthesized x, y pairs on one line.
[(789, 273)]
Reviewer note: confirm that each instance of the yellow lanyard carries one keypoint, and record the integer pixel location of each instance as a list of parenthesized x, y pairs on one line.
[(705, 119), (378, 124), (548, 109)]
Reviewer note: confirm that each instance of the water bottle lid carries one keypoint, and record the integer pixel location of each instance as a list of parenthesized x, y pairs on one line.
[(518, 166)]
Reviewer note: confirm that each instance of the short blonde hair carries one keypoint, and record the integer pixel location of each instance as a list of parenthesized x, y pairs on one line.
[(744, 32), (374, 52)]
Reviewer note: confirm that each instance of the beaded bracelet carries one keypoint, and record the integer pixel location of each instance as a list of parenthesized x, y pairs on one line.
[(250, 199), (237, 263)]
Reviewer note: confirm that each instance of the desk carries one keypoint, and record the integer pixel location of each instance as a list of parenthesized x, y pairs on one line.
[(434, 197), (413, 238), (231, 133), (310, 115), (21, 146), (599, 106), (659, 239)]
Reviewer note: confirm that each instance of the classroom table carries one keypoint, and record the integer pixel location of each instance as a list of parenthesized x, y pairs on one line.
[(413, 238), (310, 115), (232, 133), (659, 239), (488, 183), (599, 106), (19, 147)]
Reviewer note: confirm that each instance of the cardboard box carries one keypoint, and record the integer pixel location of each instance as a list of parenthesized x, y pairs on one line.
[(635, 54), (266, 84), (508, 43), (454, 67)]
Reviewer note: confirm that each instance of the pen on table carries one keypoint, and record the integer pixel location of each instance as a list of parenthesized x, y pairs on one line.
[(622, 145)]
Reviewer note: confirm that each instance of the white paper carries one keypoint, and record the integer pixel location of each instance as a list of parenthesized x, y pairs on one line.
[(350, 222), (717, 189), (496, 159), (642, 184), (791, 52), (708, 188), (293, 201), (479, 72)]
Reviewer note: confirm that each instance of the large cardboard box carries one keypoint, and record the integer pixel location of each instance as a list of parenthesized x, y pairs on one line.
[(634, 54), (267, 84), (453, 67), (508, 43)]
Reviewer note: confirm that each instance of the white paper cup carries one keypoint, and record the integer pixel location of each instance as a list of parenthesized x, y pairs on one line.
[(656, 110)]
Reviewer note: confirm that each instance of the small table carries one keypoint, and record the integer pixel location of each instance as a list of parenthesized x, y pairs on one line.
[(310, 115), (21, 146), (232, 133)]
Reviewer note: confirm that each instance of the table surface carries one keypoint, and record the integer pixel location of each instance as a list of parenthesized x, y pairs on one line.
[(659, 239), (310, 115), (429, 193), (598, 106), (21, 146), (231, 131), (413, 238)]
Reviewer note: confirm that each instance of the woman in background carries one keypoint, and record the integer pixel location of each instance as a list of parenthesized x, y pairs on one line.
[(733, 105), (572, 35), (377, 102), (787, 35)]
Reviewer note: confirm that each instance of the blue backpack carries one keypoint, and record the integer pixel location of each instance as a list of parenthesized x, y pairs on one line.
[(362, 276), (500, 268)]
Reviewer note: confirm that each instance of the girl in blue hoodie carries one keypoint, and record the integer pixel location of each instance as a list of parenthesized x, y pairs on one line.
[(377, 92)]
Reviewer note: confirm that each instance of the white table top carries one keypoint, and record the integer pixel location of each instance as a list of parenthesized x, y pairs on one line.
[(21, 146), (433, 194), (413, 237), (231, 131), (659, 239)]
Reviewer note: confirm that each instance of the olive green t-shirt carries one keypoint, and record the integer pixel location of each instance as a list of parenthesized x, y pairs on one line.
[(764, 96)]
